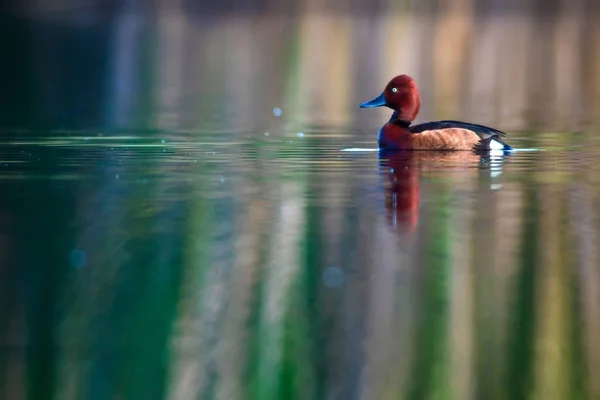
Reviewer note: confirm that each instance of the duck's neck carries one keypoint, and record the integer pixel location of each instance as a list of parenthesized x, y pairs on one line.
[(395, 119)]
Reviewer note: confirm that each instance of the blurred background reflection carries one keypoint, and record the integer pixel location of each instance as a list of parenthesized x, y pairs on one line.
[(177, 220)]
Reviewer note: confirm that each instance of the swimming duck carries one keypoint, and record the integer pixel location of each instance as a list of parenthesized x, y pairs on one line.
[(402, 95)]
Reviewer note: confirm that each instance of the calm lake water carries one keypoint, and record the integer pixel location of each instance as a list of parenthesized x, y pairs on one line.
[(179, 218), (143, 267)]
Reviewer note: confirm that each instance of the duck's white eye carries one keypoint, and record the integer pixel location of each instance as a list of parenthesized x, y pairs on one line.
[(394, 90)]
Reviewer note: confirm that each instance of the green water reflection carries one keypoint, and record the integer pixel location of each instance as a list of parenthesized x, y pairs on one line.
[(133, 268), (177, 220)]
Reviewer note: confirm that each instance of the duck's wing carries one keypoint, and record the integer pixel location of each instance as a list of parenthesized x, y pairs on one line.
[(482, 131)]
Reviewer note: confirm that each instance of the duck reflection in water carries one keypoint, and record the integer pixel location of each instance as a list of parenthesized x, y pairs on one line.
[(402, 171)]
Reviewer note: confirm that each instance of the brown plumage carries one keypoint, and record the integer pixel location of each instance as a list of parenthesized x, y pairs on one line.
[(447, 139), (402, 95)]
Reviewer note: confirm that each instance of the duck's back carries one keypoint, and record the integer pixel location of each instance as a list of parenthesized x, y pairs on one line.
[(484, 132)]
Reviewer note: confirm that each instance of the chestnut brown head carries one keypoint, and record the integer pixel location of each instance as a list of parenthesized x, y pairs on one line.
[(401, 95)]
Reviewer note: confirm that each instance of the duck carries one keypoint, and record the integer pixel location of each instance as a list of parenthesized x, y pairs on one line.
[(401, 95)]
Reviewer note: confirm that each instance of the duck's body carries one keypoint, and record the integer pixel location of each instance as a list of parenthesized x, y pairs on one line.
[(440, 135), (402, 95)]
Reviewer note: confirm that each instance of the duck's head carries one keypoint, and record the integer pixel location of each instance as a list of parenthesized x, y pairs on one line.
[(401, 95)]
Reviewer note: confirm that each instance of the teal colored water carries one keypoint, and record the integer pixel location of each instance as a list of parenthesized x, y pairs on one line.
[(282, 267)]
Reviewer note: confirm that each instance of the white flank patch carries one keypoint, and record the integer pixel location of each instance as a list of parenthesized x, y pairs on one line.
[(496, 145)]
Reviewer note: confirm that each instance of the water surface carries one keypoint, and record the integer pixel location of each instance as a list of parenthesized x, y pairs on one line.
[(155, 265)]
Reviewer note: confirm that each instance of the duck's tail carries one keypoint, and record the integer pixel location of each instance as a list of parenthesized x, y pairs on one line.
[(491, 143)]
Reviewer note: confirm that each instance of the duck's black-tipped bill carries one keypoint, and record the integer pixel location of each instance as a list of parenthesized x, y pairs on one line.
[(376, 102)]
